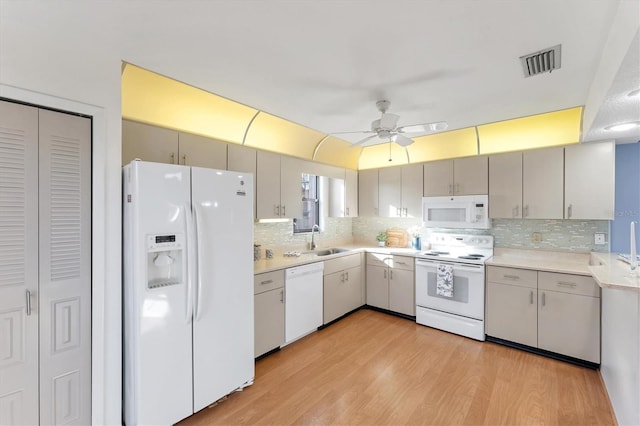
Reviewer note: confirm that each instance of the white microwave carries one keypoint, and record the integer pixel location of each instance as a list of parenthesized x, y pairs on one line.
[(462, 211)]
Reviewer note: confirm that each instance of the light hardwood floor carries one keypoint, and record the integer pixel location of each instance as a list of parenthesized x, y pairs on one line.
[(375, 369)]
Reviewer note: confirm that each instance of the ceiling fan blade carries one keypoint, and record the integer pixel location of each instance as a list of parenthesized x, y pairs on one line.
[(437, 126), (362, 141), (401, 140), (348, 133), (388, 121)]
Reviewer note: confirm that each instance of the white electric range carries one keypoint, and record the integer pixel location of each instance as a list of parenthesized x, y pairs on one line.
[(459, 310)]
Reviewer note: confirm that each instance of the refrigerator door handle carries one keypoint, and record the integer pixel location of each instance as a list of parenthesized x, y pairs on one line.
[(189, 262), (198, 294)]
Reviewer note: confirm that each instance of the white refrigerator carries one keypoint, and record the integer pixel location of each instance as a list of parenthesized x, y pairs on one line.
[(188, 289)]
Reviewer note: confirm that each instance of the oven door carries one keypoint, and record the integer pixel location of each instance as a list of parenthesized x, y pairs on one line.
[(468, 289)]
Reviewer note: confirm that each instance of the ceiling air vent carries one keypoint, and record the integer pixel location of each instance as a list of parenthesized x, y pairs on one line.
[(542, 61)]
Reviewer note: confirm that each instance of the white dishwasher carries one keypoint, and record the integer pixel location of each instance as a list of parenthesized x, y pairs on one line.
[(303, 300)]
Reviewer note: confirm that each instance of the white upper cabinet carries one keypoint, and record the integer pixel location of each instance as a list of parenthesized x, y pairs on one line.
[(351, 193), (526, 184), (589, 181), (148, 143), (267, 185), (160, 145), (389, 190), (412, 180), (542, 177), (438, 178), (368, 192), (198, 151), (505, 185), (461, 176), (400, 191)]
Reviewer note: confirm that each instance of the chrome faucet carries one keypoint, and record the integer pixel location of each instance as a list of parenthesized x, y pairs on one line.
[(312, 244)]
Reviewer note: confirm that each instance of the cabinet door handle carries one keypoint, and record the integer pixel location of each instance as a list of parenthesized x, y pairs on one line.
[(457, 188), (525, 211), (173, 158), (516, 211), (511, 277), (347, 211), (569, 211), (544, 299), (184, 159), (282, 296), (28, 302), (451, 189), (266, 282), (385, 273), (342, 277), (276, 210), (391, 274), (566, 284), (284, 210), (347, 274), (531, 297)]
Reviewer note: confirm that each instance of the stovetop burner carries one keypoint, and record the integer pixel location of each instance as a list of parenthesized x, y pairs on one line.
[(464, 248)]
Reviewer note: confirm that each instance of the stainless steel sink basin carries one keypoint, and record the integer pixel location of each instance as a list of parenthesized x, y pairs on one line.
[(326, 252)]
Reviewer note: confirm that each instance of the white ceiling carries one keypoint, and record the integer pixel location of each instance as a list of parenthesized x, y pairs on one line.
[(323, 64)]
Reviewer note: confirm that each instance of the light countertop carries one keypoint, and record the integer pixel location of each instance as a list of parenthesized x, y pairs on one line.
[(607, 270), (611, 272), (280, 261), (549, 261)]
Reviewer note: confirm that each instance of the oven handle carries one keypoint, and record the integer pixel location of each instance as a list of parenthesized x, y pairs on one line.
[(457, 266)]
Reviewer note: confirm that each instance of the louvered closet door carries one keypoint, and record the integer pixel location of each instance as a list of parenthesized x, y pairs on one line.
[(18, 264), (65, 268)]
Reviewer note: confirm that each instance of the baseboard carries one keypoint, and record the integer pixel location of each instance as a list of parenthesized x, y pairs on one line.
[(544, 353)]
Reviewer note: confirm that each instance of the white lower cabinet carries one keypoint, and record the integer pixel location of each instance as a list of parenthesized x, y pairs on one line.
[(569, 315), (268, 311), (343, 286), (390, 283), (555, 312)]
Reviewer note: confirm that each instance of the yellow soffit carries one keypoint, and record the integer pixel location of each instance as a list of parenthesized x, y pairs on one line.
[(452, 144), (536, 131), (272, 133), (338, 152), (154, 99), (382, 155)]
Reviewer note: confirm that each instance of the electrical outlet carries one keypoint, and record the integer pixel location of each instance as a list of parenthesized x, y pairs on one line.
[(600, 238), (536, 237)]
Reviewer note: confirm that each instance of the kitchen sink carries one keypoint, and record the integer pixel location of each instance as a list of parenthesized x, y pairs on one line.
[(326, 252)]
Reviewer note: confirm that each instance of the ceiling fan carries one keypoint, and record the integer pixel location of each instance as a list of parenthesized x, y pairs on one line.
[(385, 128)]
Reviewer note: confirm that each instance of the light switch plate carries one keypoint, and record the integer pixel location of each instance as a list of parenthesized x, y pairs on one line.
[(600, 238)]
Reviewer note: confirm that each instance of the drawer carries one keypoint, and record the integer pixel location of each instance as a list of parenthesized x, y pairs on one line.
[(341, 263), (403, 262), (268, 281), (513, 276), (379, 259), (567, 283)]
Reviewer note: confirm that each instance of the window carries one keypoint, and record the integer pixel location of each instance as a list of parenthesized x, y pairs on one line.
[(310, 215)]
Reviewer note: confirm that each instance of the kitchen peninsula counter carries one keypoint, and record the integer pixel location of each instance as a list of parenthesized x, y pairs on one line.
[(548, 261), (611, 272)]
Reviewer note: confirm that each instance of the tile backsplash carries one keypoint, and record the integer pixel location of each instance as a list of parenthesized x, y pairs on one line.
[(555, 235)]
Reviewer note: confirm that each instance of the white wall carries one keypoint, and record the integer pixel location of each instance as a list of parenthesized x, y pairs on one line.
[(51, 55), (620, 364)]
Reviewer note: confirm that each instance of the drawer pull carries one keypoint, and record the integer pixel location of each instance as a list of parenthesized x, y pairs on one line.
[(266, 282), (401, 263), (347, 274), (566, 284), (511, 277), (531, 297), (544, 299)]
